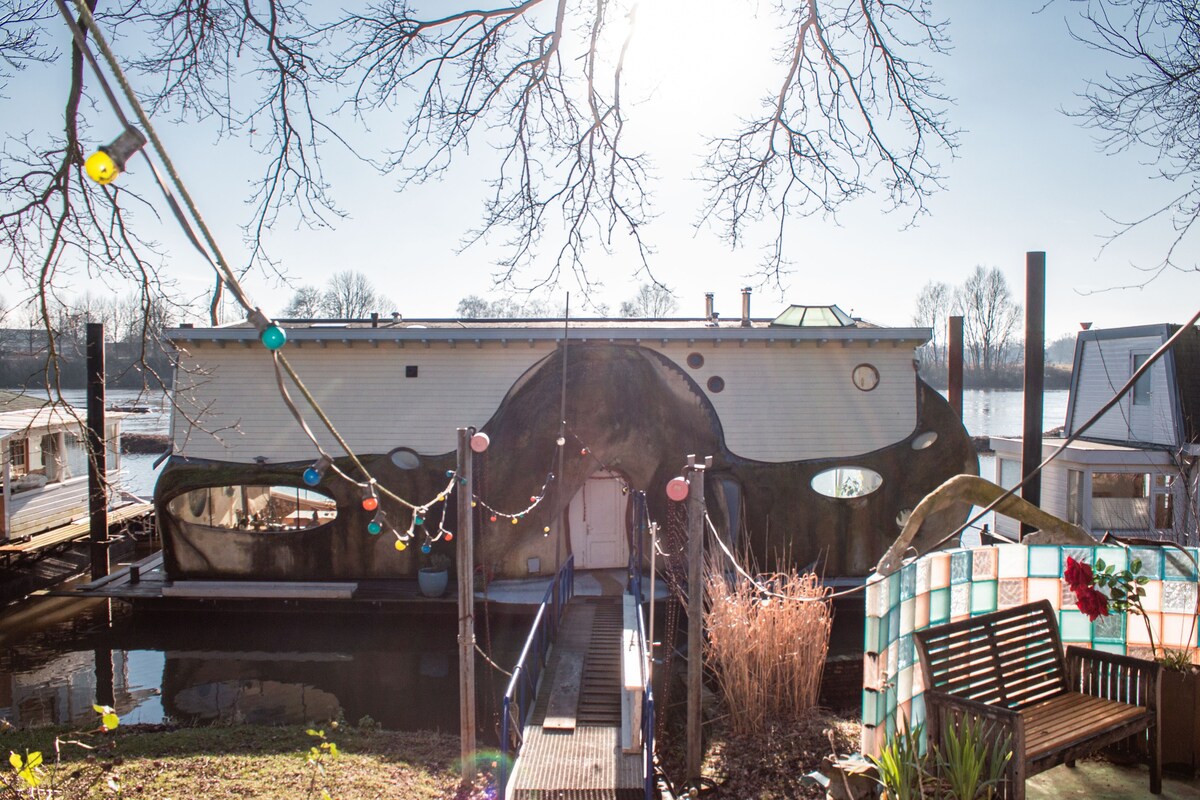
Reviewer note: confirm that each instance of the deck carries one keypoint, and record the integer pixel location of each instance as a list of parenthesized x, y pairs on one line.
[(572, 741), (43, 544)]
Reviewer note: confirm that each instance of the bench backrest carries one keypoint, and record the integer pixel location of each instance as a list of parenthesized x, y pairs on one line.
[(1008, 658)]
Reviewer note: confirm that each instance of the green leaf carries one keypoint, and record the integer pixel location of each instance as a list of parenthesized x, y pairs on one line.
[(1135, 565), (319, 734), (1142, 580), (16, 761), (333, 751), (26, 772), (1099, 564)]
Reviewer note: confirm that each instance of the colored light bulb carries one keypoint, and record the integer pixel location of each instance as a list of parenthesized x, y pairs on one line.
[(401, 545), (514, 520), (426, 548), (546, 529), (560, 441), (449, 536), (449, 473), (374, 527), (101, 168), (583, 452), (311, 476), (533, 499), (493, 517), (273, 337), (418, 520)]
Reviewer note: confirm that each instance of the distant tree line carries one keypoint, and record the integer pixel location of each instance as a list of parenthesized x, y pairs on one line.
[(993, 349)]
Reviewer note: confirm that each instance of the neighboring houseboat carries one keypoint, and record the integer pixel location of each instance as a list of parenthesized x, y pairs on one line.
[(44, 465), (822, 436), (1136, 471)]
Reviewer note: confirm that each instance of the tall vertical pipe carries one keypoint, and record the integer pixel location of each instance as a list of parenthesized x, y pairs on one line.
[(1035, 365), (97, 452), (954, 365), (466, 605), (695, 660)]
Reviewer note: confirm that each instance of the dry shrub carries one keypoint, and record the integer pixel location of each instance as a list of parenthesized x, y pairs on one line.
[(767, 649)]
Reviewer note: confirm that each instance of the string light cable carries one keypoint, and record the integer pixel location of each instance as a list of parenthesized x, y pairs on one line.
[(267, 329)]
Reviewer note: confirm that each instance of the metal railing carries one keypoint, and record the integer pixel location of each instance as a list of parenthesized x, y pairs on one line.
[(641, 526), (522, 687)]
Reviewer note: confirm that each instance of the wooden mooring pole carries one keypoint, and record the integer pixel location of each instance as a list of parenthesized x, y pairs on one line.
[(954, 365), (695, 660), (1035, 367), (97, 452), (466, 606)]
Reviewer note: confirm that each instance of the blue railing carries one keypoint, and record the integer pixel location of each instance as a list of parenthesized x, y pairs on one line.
[(522, 687)]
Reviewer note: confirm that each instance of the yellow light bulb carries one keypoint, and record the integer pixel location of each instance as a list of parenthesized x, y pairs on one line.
[(101, 168), (401, 545)]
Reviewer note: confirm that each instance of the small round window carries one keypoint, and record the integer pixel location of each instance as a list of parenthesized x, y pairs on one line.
[(846, 482), (716, 384), (404, 458), (695, 360)]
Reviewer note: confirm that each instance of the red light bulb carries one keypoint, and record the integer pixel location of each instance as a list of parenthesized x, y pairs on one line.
[(370, 503)]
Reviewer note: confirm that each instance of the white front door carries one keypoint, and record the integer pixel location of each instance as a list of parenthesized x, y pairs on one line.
[(597, 519)]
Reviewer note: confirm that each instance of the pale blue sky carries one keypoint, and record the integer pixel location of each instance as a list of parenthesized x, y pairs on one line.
[(1026, 178)]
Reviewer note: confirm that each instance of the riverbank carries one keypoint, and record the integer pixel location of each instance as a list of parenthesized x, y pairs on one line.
[(247, 761)]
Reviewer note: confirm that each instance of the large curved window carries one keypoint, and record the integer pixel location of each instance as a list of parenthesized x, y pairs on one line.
[(846, 482), (254, 508)]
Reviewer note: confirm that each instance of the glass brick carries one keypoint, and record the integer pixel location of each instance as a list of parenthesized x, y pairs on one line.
[(908, 616), (905, 652), (1109, 629), (908, 582), (1085, 554), (1177, 566), (1075, 627), (1135, 633), (918, 678), (1152, 561), (893, 582), (871, 628), (921, 619), (1044, 589), (893, 623), (1153, 597), (939, 606), (1011, 592), (1044, 561), (871, 714), (1068, 596), (923, 568), (983, 597), (904, 684), (960, 567), (876, 596), (1108, 647), (960, 601), (983, 563), (1013, 561), (939, 570), (1116, 557), (1178, 631), (1179, 597), (918, 711)]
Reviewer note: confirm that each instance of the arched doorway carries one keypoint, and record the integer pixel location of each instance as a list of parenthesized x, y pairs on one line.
[(597, 519)]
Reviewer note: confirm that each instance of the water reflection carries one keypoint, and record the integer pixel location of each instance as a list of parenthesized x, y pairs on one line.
[(401, 671)]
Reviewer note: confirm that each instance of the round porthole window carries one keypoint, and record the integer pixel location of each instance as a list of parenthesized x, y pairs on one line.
[(865, 377), (716, 384), (695, 360), (846, 482), (405, 458), (924, 440)]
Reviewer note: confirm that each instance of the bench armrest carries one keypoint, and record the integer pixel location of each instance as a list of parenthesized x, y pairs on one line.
[(998, 723), (1114, 677)]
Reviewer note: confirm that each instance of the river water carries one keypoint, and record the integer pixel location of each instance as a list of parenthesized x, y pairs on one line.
[(57, 655)]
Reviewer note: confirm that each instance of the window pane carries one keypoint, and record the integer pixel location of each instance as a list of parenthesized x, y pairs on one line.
[(844, 482), (257, 508), (1010, 473), (1164, 513), (1120, 501), (1074, 496), (1141, 389)]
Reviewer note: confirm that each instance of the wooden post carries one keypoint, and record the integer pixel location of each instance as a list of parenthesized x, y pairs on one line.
[(954, 365), (695, 660), (1035, 365), (466, 606), (97, 452)]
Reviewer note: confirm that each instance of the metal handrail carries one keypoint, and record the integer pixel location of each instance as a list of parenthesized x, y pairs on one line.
[(523, 684), (641, 525)]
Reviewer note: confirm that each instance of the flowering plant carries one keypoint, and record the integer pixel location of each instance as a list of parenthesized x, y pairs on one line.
[(1125, 589)]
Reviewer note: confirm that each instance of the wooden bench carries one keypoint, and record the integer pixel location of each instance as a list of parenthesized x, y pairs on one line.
[(1007, 671)]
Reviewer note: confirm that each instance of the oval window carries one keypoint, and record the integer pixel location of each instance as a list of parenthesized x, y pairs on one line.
[(695, 360), (716, 384), (846, 482), (924, 440), (254, 508), (404, 458)]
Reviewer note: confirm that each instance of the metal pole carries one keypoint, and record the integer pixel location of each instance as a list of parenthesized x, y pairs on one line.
[(695, 660), (562, 435), (954, 365), (653, 584), (97, 452), (466, 606), (1035, 358)]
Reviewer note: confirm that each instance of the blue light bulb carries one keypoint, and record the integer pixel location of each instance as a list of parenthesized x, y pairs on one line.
[(273, 337), (425, 548), (374, 527), (312, 476)]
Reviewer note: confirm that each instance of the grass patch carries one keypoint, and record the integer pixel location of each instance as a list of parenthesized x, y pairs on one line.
[(246, 761)]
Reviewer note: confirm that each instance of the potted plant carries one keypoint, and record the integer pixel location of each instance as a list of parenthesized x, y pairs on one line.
[(1179, 714), (433, 577)]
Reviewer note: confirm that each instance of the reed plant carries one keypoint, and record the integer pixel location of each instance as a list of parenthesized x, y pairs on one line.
[(767, 643)]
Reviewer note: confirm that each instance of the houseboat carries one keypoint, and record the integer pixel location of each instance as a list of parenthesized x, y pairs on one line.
[(44, 465), (1136, 471), (822, 437)]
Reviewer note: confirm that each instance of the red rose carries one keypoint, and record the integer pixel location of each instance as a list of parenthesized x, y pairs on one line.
[(1091, 602), (1077, 574)]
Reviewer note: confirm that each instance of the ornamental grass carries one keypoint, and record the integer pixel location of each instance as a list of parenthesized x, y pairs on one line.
[(767, 643)]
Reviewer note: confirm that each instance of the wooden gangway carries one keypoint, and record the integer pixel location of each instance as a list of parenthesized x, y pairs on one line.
[(583, 729)]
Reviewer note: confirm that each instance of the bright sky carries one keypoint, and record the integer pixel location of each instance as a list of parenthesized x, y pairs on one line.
[(1027, 178)]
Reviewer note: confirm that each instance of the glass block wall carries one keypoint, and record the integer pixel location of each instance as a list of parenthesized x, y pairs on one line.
[(953, 584)]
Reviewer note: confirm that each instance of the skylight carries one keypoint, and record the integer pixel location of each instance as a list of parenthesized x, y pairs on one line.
[(813, 317)]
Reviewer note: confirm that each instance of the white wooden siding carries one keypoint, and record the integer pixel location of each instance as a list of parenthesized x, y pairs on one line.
[(231, 392), (56, 504), (782, 403), (1105, 367)]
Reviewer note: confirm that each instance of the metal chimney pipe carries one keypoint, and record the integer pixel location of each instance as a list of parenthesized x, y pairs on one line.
[(746, 307), (708, 306)]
